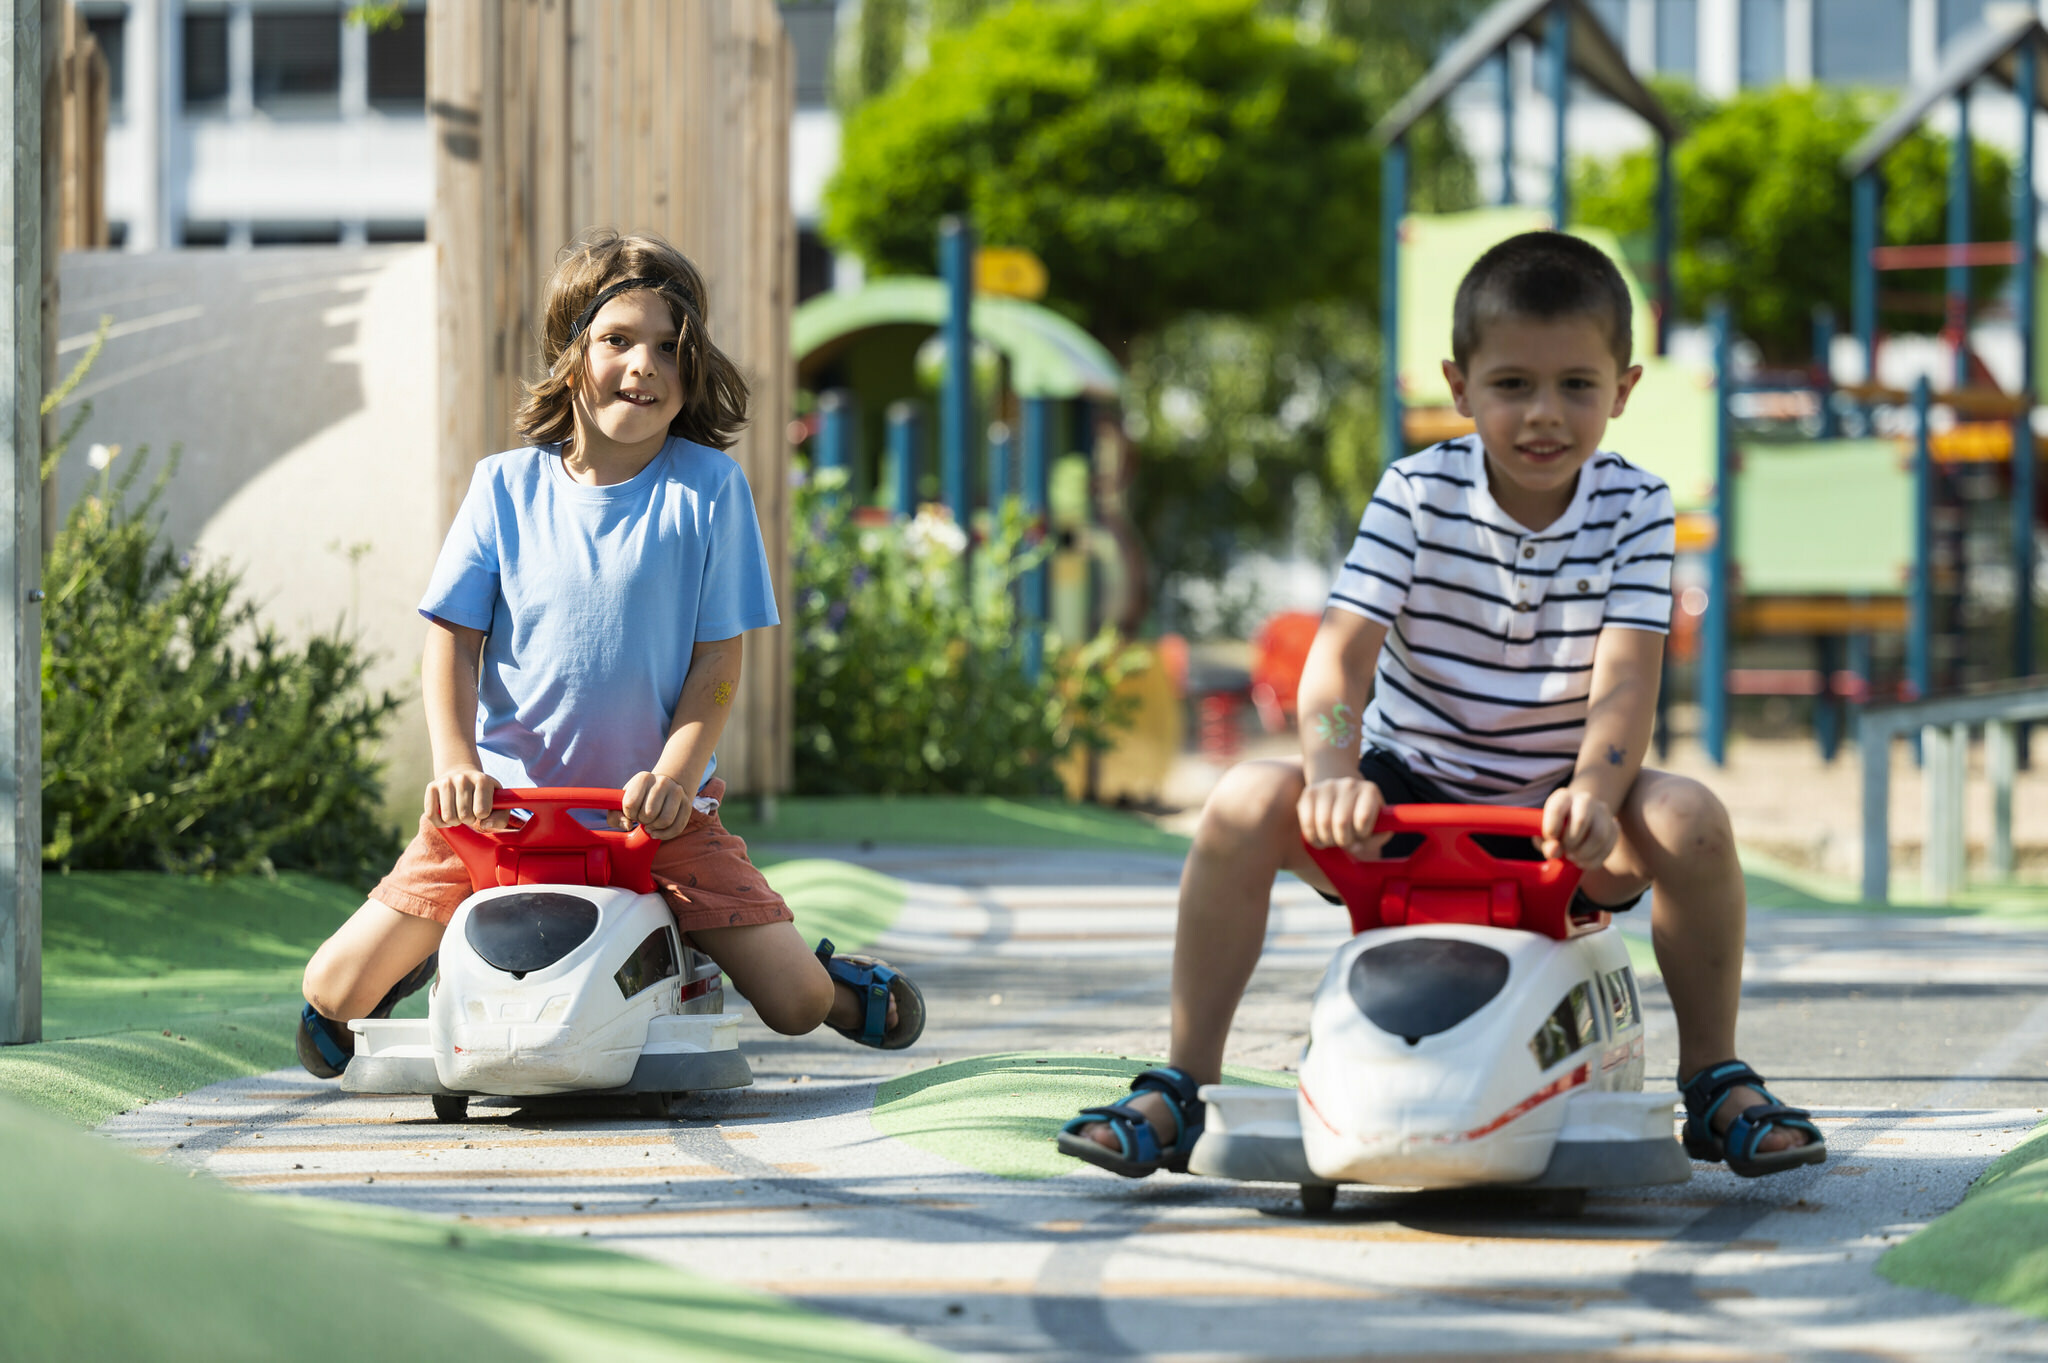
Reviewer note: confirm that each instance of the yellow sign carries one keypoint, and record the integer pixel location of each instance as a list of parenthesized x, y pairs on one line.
[(1009, 272)]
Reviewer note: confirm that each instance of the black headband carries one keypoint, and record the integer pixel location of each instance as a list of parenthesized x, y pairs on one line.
[(665, 287)]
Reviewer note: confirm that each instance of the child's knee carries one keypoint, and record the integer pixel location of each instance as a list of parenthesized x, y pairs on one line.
[(1254, 802), (327, 986), (1687, 819), (797, 1003)]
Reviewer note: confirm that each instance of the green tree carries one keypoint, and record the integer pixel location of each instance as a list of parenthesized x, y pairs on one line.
[(1764, 212), (1160, 156)]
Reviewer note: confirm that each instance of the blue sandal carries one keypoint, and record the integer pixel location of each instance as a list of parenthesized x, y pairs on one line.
[(876, 983), (326, 1046), (1704, 1094), (1140, 1152)]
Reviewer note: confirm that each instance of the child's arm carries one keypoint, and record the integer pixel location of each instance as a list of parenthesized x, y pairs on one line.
[(460, 791), (1338, 807), (660, 799), (1578, 819)]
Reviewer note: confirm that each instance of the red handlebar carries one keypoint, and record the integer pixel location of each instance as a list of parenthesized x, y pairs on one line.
[(1452, 879), (551, 848)]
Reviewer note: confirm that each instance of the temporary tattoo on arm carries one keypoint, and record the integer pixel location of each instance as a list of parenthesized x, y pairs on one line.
[(1614, 755), (721, 694), (1335, 728)]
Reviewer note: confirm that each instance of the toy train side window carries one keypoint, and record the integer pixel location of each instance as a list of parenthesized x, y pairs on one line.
[(1624, 1008), (1570, 1025), (653, 961)]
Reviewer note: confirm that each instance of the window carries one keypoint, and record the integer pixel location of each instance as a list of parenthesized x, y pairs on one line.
[(298, 61), (809, 25), (1614, 18), (379, 230), (298, 234), (197, 233), (1959, 17), (1678, 37), (398, 65), (1763, 42), (206, 62), (109, 28), (1860, 42)]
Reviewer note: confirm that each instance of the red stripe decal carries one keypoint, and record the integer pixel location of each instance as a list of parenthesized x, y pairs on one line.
[(1318, 1111), (1541, 1096)]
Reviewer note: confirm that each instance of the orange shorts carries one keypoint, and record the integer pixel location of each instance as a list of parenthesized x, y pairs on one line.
[(702, 872)]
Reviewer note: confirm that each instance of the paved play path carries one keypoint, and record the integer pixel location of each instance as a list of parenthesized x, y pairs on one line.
[(1922, 1044)]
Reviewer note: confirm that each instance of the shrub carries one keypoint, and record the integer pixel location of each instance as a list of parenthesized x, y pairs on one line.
[(180, 733), (909, 682)]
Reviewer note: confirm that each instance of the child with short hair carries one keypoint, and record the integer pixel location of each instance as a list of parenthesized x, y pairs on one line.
[(1504, 607), (584, 628)]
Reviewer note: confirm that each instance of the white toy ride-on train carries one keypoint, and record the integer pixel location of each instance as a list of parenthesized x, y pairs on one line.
[(563, 975), (1474, 1032)]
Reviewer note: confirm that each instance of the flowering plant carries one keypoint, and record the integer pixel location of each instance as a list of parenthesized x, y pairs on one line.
[(910, 667)]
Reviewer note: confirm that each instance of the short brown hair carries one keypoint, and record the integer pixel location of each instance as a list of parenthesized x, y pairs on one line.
[(1545, 276), (714, 394)]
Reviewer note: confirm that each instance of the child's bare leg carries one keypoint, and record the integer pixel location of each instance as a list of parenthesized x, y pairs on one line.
[(1250, 832), (782, 978), (376, 948), (1676, 835)]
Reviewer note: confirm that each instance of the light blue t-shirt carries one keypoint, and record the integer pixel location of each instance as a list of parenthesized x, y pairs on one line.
[(592, 599)]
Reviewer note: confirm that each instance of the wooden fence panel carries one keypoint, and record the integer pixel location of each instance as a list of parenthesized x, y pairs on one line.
[(553, 116)]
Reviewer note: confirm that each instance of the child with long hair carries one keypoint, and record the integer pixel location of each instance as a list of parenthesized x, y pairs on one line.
[(584, 628)]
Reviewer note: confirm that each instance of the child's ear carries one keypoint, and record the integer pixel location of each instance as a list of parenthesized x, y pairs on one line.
[(1630, 377), (1455, 377)]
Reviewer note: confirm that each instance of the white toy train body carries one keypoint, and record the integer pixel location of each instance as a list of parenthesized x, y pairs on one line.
[(1447, 1055), (558, 989)]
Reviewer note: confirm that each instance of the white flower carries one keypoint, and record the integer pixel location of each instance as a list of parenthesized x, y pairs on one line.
[(99, 456), (933, 532)]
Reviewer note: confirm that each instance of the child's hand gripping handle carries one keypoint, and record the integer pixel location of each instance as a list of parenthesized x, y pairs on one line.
[(1450, 878), (552, 848)]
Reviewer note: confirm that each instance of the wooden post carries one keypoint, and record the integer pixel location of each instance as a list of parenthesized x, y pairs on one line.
[(555, 116), (22, 213)]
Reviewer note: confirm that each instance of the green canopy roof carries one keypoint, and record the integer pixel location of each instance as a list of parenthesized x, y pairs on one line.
[(1049, 356)]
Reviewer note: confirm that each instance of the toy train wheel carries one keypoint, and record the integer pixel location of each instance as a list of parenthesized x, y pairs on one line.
[(450, 1107), (1318, 1199)]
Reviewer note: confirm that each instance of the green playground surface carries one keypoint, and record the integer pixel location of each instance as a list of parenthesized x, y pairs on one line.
[(154, 985), (1994, 1247), (950, 821), (119, 1258), (1000, 1113)]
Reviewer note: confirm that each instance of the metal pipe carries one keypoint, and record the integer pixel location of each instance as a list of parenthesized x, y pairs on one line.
[(1823, 370), (1667, 236), (1506, 197), (1393, 208), (2026, 233), (835, 430), (1920, 631), (1558, 53), (1863, 269), (1959, 216), (1040, 422), (956, 390), (903, 470), (2001, 761), (1717, 628)]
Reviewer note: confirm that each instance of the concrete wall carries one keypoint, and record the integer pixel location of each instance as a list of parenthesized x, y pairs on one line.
[(300, 384)]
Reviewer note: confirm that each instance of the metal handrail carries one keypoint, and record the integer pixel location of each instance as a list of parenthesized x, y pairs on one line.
[(1944, 724)]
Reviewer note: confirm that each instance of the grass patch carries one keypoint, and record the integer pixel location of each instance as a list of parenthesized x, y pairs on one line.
[(1994, 1247), (1774, 885), (154, 985), (132, 1261), (999, 1113), (953, 821)]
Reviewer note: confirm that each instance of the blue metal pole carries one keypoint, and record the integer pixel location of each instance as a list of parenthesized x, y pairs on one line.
[(1863, 270), (1393, 208), (903, 456), (1827, 708), (998, 486), (1040, 423), (1717, 629), (1959, 216), (2026, 280), (1506, 197), (835, 429), (956, 390), (1920, 630), (1823, 370), (1558, 56), (1667, 238)]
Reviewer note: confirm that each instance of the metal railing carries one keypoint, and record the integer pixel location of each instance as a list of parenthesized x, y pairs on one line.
[(1944, 725)]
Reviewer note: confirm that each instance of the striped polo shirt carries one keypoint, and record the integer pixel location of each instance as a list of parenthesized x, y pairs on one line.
[(1482, 685)]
